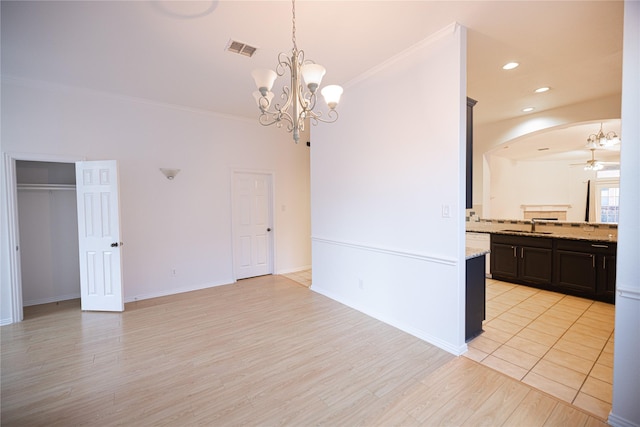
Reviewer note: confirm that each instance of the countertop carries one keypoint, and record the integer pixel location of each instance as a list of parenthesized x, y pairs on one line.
[(549, 229), (475, 252)]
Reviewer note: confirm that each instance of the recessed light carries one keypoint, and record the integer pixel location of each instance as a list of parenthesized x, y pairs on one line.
[(542, 89), (510, 65), (528, 109)]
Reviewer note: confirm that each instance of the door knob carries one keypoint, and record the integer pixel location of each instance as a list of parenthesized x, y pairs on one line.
[(115, 244), (268, 229)]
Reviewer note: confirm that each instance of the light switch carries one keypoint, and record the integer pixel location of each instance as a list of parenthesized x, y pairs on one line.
[(446, 211)]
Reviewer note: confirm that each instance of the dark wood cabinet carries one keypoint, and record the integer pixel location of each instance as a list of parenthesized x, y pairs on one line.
[(469, 199), (504, 261), (575, 267), (535, 264), (575, 270), (587, 268), (527, 260), (475, 296), (607, 277)]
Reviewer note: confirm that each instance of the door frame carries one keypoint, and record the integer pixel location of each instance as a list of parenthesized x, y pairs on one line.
[(13, 232), (272, 240)]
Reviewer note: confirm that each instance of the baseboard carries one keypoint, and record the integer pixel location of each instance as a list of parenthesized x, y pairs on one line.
[(294, 270), (168, 292), (48, 300), (617, 421), (7, 321), (446, 346)]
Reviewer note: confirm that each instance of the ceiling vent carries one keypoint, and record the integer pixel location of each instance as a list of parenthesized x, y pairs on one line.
[(241, 48)]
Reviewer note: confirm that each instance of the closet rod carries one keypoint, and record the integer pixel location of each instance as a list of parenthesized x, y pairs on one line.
[(46, 187)]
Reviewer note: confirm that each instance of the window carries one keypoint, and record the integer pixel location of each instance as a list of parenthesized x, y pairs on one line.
[(607, 200), (608, 173)]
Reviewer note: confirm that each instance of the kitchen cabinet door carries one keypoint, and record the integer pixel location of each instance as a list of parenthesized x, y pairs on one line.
[(607, 277), (504, 261), (576, 271), (535, 264)]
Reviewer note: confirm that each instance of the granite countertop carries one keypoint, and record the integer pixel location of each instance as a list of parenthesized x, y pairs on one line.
[(475, 252), (549, 229)]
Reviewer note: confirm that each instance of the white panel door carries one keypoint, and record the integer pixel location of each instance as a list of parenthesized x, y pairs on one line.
[(252, 230), (99, 236)]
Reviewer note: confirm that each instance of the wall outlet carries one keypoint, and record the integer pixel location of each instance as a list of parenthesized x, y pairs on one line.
[(173, 271)]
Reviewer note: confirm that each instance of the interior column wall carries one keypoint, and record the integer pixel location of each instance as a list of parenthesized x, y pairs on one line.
[(625, 410), (388, 193)]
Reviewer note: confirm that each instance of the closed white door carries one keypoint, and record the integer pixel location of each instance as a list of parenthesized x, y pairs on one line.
[(99, 236), (252, 213)]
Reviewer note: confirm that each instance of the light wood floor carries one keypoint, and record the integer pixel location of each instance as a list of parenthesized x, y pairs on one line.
[(264, 351)]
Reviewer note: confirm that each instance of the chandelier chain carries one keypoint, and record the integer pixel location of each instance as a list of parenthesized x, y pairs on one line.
[(293, 25)]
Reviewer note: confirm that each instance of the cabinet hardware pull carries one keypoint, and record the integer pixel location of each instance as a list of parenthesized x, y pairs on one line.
[(521, 252), (593, 261), (600, 246), (604, 262), (515, 255)]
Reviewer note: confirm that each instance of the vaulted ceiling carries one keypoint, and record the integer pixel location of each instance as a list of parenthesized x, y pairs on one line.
[(174, 52)]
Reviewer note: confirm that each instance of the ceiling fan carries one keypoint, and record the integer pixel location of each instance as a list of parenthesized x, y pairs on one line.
[(595, 165)]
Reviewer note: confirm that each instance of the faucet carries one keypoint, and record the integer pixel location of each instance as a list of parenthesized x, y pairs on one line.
[(533, 222)]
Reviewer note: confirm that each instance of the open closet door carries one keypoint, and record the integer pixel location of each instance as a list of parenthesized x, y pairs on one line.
[(99, 236)]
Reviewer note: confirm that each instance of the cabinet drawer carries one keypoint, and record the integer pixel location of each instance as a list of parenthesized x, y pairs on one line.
[(586, 246), (532, 242)]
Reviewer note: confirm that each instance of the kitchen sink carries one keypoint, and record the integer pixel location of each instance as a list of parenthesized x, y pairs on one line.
[(527, 231)]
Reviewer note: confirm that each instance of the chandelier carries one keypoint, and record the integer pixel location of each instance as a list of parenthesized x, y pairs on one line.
[(601, 139), (298, 100)]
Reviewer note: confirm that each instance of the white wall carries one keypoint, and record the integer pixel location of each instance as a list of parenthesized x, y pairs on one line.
[(380, 176), (625, 410), (184, 224), (513, 184)]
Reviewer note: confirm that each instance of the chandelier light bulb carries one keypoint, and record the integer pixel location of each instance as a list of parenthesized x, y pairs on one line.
[(312, 75), (332, 94), (264, 79)]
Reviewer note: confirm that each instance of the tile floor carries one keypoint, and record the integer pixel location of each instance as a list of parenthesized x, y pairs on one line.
[(302, 277), (560, 344)]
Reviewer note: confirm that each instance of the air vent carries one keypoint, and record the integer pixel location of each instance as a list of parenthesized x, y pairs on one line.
[(241, 48)]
